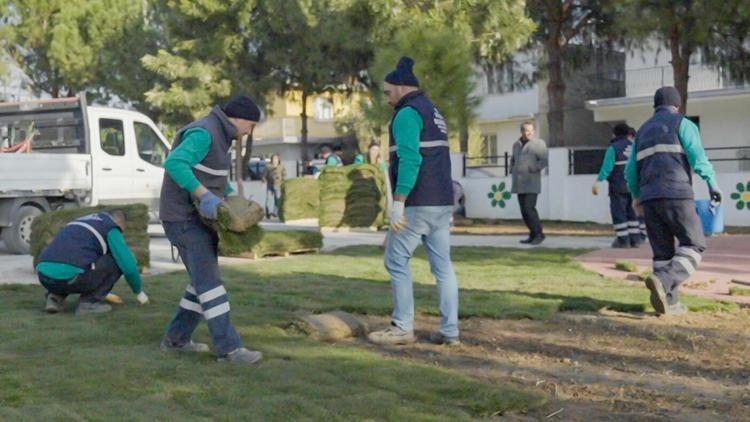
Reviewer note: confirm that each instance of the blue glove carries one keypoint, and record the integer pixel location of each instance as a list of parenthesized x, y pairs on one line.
[(208, 205)]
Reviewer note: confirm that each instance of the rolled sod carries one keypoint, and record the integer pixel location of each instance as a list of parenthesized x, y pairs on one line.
[(352, 196), (46, 226), (258, 242), (300, 199)]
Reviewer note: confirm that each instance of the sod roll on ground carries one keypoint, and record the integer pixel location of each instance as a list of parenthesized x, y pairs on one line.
[(46, 226), (352, 196), (300, 199)]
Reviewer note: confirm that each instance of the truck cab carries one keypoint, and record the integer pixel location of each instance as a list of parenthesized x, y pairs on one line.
[(73, 155)]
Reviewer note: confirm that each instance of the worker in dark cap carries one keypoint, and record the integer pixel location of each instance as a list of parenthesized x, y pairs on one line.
[(420, 177), (666, 151), (196, 181), (625, 222)]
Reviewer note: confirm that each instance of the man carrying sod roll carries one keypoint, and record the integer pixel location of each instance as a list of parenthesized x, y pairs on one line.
[(198, 168)]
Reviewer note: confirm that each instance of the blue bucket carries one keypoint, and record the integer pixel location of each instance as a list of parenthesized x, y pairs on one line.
[(712, 222)]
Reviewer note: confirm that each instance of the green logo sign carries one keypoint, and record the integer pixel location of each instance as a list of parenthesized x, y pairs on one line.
[(499, 195), (742, 196)]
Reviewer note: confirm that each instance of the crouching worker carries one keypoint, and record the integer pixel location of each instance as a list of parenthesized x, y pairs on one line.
[(667, 150), (87, 257), (626, 224)]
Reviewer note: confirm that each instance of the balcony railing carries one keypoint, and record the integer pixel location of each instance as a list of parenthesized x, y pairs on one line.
[(645, 81)]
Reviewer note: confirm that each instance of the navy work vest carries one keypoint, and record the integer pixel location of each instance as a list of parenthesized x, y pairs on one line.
[(176, 204), (663, 168), (81, 242), (434, 186), (616, 179)]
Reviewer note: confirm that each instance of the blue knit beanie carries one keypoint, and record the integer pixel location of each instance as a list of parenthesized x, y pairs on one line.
[(404, 73)]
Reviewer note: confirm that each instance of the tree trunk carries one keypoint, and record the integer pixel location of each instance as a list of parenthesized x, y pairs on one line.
[(680, 66), (247, 156), (238, 167), (555, 94), (463, 137), (303, 133)]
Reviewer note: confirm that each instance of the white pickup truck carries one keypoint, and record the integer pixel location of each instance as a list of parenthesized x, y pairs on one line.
[(74, 155)]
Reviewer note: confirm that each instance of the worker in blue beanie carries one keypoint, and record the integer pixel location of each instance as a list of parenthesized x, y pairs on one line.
[(420, 177)]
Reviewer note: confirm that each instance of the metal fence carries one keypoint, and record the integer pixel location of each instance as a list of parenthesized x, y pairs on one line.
[(589, 160), (496, 163)]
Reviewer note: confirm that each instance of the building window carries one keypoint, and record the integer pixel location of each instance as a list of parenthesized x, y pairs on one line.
[(506, 77), (696, 120), (323, 109), (489, 148)]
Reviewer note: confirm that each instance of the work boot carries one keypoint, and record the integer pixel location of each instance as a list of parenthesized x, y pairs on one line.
[(439, 338), (658, 295), (55, 303), (392, 336), (189, 347), (85, 308), (537, 240), (242, 356), (676, 309), (621, 243)]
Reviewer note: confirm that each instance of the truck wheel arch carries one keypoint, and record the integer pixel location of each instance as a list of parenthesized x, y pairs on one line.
[(9, 207)]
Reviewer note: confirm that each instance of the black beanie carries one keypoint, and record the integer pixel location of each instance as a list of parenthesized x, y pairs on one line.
[(242, 107), (621, 129), (404, 73), (667, 96)]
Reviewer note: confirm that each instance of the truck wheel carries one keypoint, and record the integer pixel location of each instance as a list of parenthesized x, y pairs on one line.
[(17, 237)]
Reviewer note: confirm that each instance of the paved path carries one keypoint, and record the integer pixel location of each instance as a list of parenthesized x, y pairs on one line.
[(726, 264), (17, 269)]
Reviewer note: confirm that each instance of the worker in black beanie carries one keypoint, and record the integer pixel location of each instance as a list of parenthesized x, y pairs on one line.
[(624, 221), (666, 151), (196, 180)]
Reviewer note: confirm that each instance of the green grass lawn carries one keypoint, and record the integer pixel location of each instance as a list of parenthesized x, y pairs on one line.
[(109, 367)]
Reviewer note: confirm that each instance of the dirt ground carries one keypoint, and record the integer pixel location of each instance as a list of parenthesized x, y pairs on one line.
[(604, 366)]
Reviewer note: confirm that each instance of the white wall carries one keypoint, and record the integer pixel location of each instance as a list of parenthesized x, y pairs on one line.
[(504, 106), (569, 198)]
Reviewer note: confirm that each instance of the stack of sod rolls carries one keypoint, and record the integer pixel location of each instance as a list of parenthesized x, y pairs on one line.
[(47, 225), (352, 196), (300, 199)]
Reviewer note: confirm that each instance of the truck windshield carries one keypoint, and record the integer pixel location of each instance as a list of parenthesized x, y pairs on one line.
[(150, 147)]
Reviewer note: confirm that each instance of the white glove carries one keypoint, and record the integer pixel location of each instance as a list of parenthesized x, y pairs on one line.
[(397, 216), (142, 298), (638, 207)]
